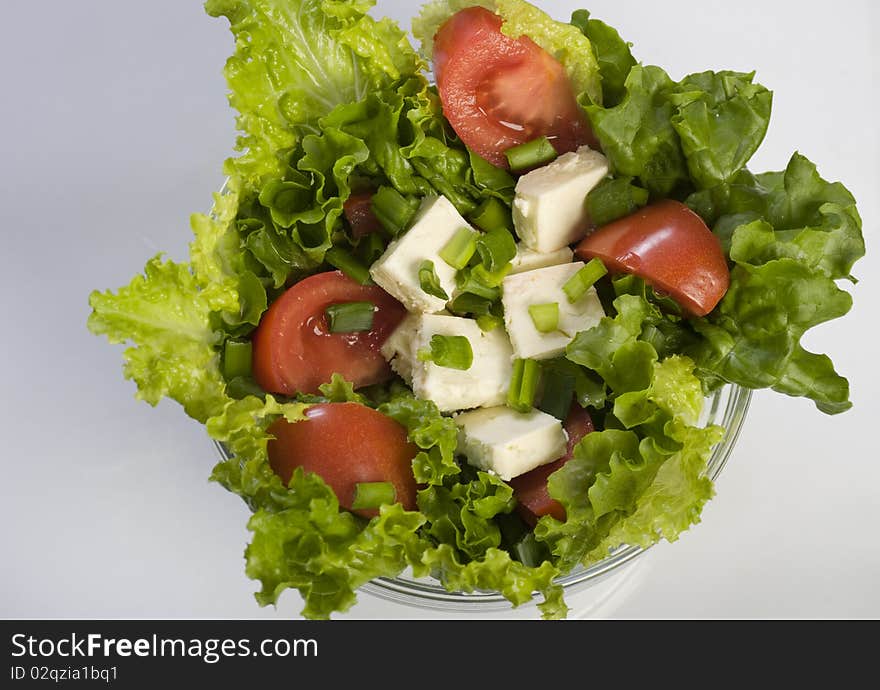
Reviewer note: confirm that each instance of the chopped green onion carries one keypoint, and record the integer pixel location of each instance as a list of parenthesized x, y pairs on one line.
[(583, 280), (394, 211), (237, 356), (459, 250), (496, 249), (491, 215), (450, 351), (531, 154), (345, 262), (350, 317), (371, 495), (430, 282), (469, 303), (370, 248), (558, 393), (613, 199), (489, 322), (491, 279), (473, 281), (545, 316), (523, 384)]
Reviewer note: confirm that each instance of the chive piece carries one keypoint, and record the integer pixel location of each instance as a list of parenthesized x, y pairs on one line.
[(474, 281), (545, 316), (531, 154), (613, 199), (459, 250), (345, 262), (450, 351), (370, 248), (491, 279), (394, 211), (491, 215), (469, 303), (350, 317), (496, 248), (523, 384), (489, 322), (584, 279), (371, 495), (559, 387), (237, 356), (429, 281)]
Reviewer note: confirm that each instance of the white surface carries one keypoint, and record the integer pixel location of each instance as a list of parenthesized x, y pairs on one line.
[(115, 128)]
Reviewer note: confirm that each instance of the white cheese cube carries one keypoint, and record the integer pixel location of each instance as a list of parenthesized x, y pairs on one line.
[(510, 443), (529, 260), (549, 211), (398, 348), (544, 286), (397, 270), (484, 384)]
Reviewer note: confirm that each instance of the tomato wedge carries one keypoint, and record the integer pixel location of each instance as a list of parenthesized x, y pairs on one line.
[(345, 444), (294, 350), (530, 489), (358, 210), (498, 92), (671, 248)]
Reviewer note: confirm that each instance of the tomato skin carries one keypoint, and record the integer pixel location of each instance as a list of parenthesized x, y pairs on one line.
[(294, 351), (358, 212), (498, 92), (345, 444), (530, 489), (671, 248)]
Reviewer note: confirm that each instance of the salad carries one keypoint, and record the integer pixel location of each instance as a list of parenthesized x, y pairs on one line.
[(459, 304)]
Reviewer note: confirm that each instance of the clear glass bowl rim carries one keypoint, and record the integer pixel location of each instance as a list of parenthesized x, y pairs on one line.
[(726, 407)]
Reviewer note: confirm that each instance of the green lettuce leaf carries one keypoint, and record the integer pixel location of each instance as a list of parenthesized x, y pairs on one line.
[(301, 539), (650, 457), (637, 135), (166, 317), (676, 137), (791, 235), (496, 571), (461, 513), (435, 435), (612, 53), (753, 338), (297, 60)]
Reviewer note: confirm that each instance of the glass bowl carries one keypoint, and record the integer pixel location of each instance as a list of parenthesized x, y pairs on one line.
[(727, 408)]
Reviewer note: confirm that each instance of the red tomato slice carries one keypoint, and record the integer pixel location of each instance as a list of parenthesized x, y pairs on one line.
[(498, 92), (345, 444), (358, 212), (530, 489), (294, 350), (670, 247)]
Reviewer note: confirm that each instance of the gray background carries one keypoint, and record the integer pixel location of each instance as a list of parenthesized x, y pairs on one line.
[(115, 126)]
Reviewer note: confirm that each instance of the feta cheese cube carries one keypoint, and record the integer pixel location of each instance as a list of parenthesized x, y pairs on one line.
[(510, 443), (484, 384), (397, 270), (549, 211), (398, 348), (528, 260), (544, 286)]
